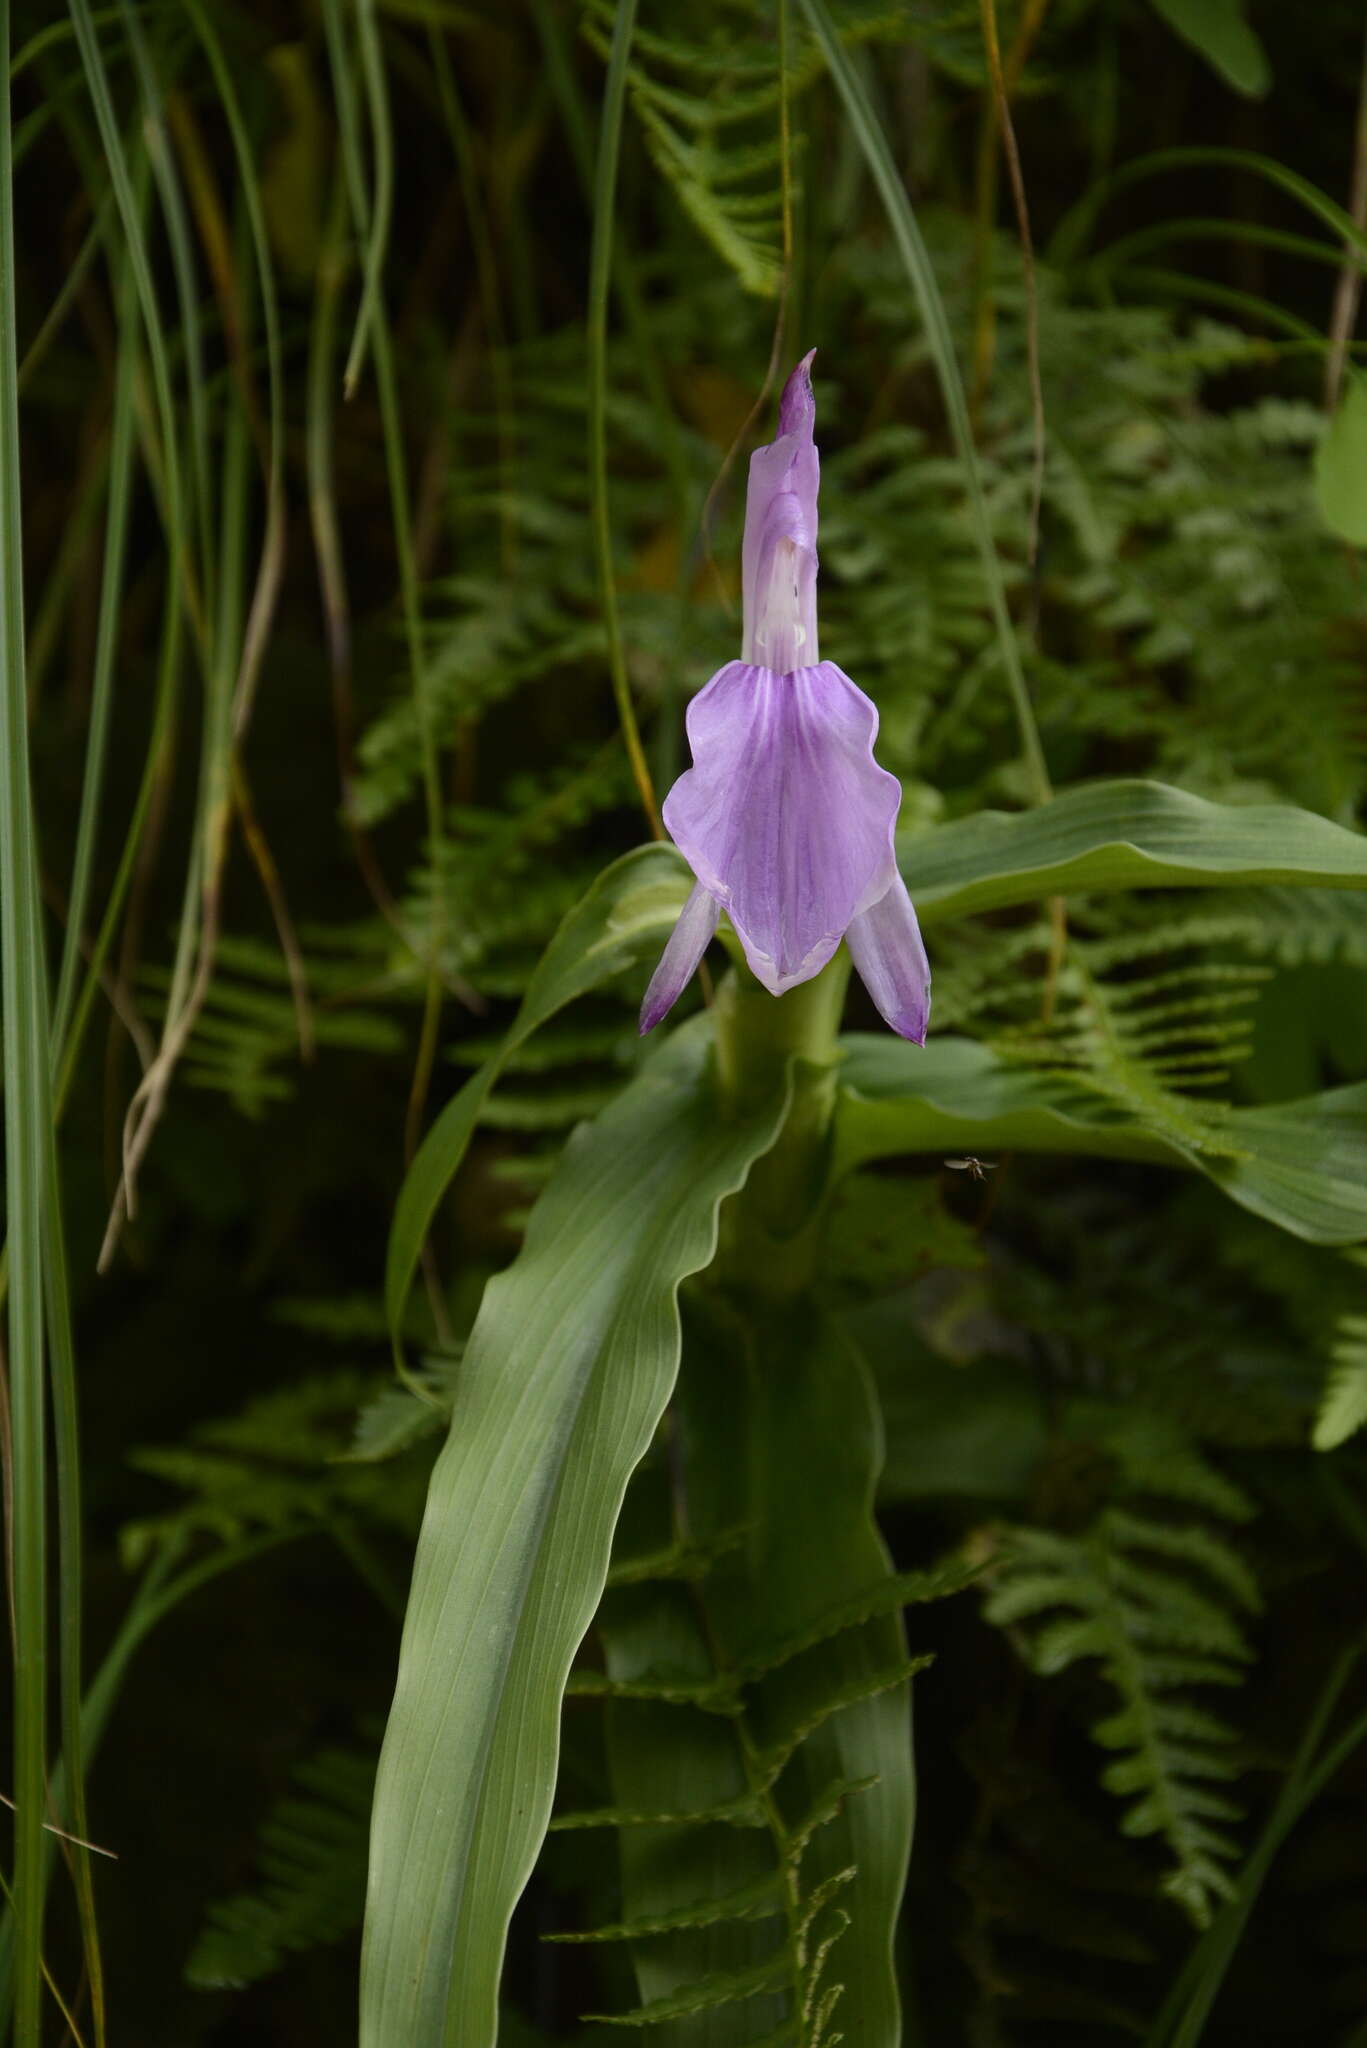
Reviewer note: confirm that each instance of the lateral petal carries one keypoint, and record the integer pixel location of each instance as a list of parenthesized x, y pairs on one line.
[(687, 943), (885, 942)]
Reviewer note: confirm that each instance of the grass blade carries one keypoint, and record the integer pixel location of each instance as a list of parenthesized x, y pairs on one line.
[(600, 274), (916, 257), (122, 432), (27, 1134)]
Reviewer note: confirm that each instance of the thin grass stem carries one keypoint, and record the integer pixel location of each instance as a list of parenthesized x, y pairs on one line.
[(28, 1127), (380, 201), (118, 499), (600, 274), (920, 271)]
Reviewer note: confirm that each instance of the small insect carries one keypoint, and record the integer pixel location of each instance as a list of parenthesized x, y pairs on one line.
[(977, 1169)]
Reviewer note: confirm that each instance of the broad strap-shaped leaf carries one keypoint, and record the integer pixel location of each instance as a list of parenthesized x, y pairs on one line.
[(570, 1363), (779, 1429), (627, 914), (1302, 1165), (1123, 835)]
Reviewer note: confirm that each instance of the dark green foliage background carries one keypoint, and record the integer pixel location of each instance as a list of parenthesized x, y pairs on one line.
[(1057, 1346)]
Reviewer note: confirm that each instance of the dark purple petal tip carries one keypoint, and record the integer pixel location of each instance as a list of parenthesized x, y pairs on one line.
[(885, 944), (688, 942), (797, 406)]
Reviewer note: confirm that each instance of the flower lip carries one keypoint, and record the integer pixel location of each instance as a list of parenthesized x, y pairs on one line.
[(785, 817)]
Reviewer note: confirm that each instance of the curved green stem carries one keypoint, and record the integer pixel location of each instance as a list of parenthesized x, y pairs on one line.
[(600, 273)]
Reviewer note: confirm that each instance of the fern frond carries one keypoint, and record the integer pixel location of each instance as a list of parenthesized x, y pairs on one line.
[(742, 1812), (687, 1561), (1142, 1013), (1343, 1404), (719, 1987), (713, 1696), (824, 1806), (776, 1756), (708, 108), (1158, 1605), (399, 1416), (312, 1860), (245, 1040), (278, 1465), (889, 1596), (883, 1231), (761, 1900), (1049, 1889)]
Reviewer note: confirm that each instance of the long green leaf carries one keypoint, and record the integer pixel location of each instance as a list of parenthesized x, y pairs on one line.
[(1124, 835), (629, 910), (571, 1361), (1302, 1165), (27, 1134)]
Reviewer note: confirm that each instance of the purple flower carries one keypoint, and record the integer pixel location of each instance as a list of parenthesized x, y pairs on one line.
[(785, 817)]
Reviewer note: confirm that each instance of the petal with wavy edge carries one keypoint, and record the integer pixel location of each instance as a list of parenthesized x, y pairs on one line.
[(785, 816), (687, 943), (885, 942)]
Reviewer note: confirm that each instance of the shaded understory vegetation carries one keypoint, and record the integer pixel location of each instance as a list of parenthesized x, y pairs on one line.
[(318, 674)]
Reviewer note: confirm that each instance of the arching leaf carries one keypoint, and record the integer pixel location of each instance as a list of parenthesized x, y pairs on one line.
[(570, 1363)]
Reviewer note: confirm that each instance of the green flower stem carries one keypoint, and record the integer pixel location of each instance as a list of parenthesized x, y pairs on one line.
[(770, 1231)]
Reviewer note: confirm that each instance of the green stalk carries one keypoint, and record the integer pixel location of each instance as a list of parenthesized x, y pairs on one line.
[(158, 146), (920, 271), (71, 287), (1182, 2019), (600, 276), (646, 356), (397, 472), (67, 1051), (771, 1230), (122, 433), (71, 1808), (130, 200), (490, 297), (27, 1126), (51, 614), (375, 223)]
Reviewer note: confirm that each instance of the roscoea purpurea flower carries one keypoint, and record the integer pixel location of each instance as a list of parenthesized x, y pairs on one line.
[(785, 817)]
